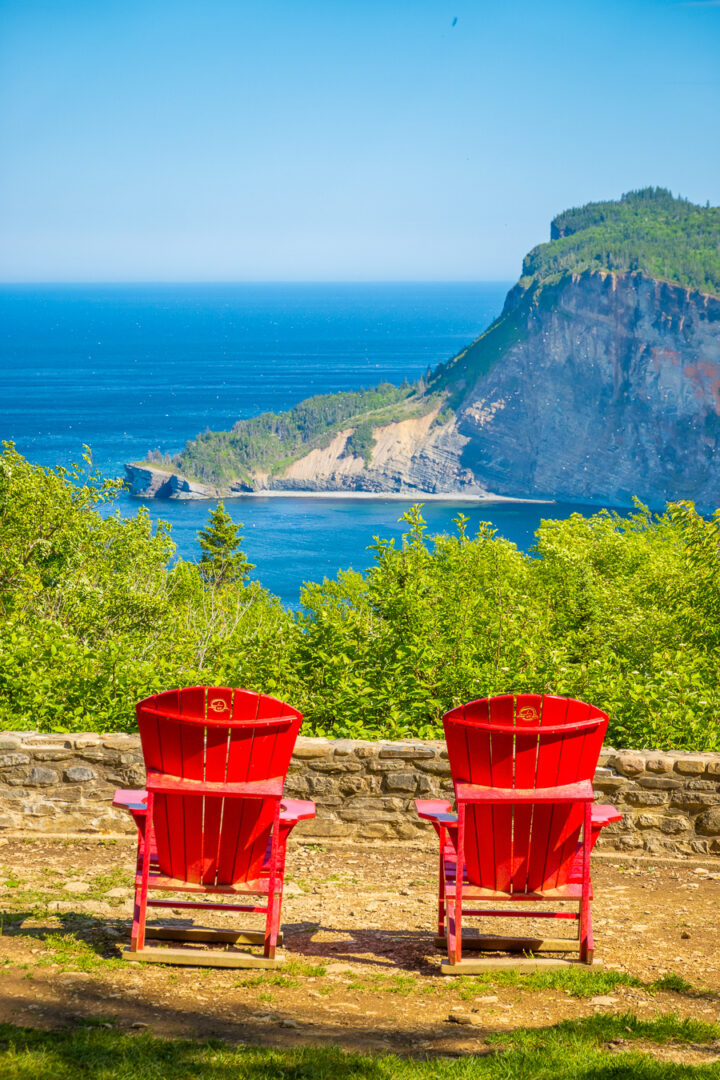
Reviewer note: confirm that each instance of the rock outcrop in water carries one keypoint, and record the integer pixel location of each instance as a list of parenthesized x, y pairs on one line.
[(593, 385)]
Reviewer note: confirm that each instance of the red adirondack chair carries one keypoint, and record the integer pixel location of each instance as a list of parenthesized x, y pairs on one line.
[(522, 768), (213, 818)]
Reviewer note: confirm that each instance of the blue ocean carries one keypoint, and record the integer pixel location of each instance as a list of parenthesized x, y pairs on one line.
[(128, 369)]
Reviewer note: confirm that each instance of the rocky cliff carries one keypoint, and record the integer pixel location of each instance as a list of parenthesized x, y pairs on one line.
[(596, 387), (600, 381)]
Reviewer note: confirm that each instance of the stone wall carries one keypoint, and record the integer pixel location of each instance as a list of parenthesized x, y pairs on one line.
[(363, 790)]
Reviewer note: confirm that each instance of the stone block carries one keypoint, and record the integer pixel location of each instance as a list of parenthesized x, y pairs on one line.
[(40, 777), (100, 755), (648, 821), (337, 765), (131, 757), (326, 802), (708, 824), (78, 774), (713, 768), (81, 741), (406, 753), (401, 781), (54, 753), (674, 826), (9, 744), (437, 767), (659, 783), (348, 813), (383, 766), (14, 793), (690, 766), (701, 847), (645, 798), (628, 843), (312, 748), (388, 804), (47, 740), (610, 783), (9, 760), (701, 785), (628, 764), (659, 764), (121, 741), (693, 801), (352, 785)]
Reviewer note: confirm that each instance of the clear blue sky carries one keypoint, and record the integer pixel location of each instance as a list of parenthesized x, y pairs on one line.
[(337, 140)]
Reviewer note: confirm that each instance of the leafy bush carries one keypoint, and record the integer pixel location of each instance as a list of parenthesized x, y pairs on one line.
[(95, 618), (620, 611)]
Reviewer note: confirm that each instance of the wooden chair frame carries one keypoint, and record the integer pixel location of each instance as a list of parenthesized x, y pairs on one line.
[(459, 897), (204, 804)]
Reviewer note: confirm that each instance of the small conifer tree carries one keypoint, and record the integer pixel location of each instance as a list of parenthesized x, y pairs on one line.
[(222, 562)]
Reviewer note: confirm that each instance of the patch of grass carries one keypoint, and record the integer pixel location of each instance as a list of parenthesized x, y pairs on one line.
[(575, 1050), (74, 954), (578, 982)]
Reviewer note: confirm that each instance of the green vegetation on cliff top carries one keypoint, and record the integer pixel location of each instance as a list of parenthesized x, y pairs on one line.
[(648, 231)]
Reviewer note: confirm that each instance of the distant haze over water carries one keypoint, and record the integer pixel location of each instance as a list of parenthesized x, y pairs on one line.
[(127, 369)]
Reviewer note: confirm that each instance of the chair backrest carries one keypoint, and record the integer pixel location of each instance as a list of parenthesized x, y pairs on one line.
[(219, 735), (524, 741)]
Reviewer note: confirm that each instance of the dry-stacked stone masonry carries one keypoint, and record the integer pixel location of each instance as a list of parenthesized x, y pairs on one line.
[(364, 790)]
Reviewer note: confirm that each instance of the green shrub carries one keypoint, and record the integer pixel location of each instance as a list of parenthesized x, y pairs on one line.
[(620, 611)]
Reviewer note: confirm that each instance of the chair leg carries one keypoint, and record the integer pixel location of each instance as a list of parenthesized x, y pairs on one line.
[(586, 939), (441, 895), (451, 932), (272, 924)]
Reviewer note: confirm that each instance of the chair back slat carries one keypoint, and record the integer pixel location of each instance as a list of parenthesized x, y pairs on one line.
[(526, 741), (501, 746), (215, 734), (528, 711)]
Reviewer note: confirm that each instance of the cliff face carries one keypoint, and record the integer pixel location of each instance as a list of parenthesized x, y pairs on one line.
[(592, 387), (610, 388)]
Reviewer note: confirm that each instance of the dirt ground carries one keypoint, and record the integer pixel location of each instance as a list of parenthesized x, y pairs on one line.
[(361, 967)]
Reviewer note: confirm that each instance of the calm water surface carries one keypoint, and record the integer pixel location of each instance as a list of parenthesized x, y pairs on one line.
[(127, 369)]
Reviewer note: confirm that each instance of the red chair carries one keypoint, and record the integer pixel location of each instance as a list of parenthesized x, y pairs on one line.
[(213, 818), (522, 769)]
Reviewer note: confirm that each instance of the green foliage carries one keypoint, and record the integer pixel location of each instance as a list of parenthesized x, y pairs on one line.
[(272, 440), (648, 230), (222, 561), (620, 611), (94, 617)]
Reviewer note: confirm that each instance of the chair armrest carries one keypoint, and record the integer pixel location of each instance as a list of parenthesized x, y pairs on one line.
[(436, 810), (132, 799), (603, 814), (294, 810)]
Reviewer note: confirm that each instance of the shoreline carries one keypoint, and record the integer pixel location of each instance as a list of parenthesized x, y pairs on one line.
[(376, 496), (394, 496)]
